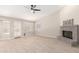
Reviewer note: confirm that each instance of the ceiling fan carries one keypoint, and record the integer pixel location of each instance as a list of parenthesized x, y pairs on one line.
[(34, 9)]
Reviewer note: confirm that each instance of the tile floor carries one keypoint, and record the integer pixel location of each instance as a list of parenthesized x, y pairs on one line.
[(35, 44)]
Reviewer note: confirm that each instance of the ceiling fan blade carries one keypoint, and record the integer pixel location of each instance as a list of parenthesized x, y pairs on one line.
[(36, 9), (33, 6)]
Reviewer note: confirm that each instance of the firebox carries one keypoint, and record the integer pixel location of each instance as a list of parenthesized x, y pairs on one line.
[(67, 34)]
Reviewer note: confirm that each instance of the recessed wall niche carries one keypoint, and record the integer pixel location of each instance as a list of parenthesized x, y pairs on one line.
[(69, 22)]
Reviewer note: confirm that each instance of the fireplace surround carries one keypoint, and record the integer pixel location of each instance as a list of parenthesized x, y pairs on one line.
[(70, 32)]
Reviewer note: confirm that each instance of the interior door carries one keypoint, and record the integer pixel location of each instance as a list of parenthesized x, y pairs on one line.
[(28, 28), (17, 28)]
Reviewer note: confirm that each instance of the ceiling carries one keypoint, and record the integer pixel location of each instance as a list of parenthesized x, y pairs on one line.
[(20, 11)]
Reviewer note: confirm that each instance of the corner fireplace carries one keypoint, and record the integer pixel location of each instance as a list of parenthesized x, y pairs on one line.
[(67, 34), (70, 32)]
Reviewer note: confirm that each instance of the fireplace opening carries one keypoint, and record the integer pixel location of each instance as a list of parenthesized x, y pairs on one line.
[(67, 34)]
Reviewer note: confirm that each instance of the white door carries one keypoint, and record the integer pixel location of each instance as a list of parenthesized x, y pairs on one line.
[(28, 28)]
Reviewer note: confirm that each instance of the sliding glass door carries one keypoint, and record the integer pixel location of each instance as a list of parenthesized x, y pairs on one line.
[(10, 29), (4, 29)]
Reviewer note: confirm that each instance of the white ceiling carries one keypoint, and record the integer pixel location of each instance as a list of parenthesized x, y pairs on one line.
[(19, 11)]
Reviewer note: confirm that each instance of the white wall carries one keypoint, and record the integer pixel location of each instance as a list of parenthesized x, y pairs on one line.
[(48, 26), (69, 12)]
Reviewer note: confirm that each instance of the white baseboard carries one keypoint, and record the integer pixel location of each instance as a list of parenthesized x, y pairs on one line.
[(54, 37)]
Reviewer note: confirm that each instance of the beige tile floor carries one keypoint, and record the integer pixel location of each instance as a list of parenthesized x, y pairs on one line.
[(35, 44)]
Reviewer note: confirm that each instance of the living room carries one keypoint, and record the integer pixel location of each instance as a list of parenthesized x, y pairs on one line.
[(37, 28)]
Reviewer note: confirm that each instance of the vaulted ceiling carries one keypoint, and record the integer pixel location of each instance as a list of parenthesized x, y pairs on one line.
[(20, 11)]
